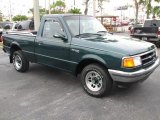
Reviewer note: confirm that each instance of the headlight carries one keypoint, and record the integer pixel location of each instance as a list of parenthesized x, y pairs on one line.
[(131, 62)]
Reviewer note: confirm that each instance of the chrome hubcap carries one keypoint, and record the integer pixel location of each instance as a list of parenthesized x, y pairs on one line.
[(93, 81), (17, 61)]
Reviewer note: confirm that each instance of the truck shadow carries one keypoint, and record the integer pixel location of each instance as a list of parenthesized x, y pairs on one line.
[(52, 76)]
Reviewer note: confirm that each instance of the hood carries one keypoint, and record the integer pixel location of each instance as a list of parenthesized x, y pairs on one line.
[(116, 44)]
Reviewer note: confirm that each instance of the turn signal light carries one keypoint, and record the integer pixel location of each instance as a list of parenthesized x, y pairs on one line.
[(131, 62)]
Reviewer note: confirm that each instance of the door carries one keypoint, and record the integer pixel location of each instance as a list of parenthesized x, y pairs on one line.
[(50, 48)]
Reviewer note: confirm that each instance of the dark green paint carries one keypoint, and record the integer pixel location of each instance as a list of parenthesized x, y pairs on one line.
[(67, 54)]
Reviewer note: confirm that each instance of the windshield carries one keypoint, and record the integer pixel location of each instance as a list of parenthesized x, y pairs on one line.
[(88, 25)]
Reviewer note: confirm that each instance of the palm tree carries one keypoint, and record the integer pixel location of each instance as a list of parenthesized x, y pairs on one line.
[(148, 6), (100, 4), (86, 7), (156, 11), (137, 8)]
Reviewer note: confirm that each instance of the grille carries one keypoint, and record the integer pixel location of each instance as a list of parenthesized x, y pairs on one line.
[(148, 58)]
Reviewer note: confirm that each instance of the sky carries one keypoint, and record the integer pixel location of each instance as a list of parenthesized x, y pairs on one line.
[(22, 6)]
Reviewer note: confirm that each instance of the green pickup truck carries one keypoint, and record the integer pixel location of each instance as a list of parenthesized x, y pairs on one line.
[(81, 45)]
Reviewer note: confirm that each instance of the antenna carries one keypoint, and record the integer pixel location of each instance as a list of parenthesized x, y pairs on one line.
[(79, 25)]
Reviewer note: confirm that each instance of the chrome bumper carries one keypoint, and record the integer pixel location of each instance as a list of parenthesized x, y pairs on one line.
[(129, 77)]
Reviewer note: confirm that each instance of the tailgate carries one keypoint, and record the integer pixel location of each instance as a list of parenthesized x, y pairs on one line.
[(145, 32)]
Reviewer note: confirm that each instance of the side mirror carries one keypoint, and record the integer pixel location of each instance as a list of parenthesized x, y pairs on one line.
[(58, 35)]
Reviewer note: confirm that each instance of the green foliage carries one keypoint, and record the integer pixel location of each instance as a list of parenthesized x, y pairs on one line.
[(75, 11), (42, 11), (0, 16), (148, 6), (58, 3), (19, 18), (57, 12), (156, 11), (58, 7)]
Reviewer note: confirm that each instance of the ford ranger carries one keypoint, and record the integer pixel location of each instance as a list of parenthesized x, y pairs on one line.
[(81, 45)]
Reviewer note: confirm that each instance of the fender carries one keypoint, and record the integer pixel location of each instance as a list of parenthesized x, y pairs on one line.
[(15, 43), (94, 57), (14, 46)]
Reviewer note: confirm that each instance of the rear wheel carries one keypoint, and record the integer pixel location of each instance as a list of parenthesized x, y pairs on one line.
[(20, 63), (96, 80)]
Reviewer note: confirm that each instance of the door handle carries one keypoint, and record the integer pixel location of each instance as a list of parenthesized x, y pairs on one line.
[(40, 43)]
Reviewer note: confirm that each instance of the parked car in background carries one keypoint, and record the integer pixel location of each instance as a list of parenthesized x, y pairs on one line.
[(132, 25), (25, 25), (82, 46), (2, 26), (150, 31)]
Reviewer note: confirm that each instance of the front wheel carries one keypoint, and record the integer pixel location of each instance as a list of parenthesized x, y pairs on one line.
[(96, 80), (20, 63)]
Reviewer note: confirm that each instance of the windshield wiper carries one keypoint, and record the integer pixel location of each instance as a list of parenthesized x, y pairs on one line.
[(102, 32), (87, 34)]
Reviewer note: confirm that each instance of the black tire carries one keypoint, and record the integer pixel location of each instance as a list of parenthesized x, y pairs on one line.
[(104, 79), (157, 44), (23, 62)]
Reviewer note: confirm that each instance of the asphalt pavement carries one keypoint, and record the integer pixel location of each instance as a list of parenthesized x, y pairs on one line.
[(45, 93)]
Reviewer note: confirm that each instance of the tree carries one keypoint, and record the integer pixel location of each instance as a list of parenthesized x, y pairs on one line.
[(75, 11), (148, 6), (100, 4), (86, 7), (136, 10), (156, 11), (19, 18), (1, 16), (42, 11), (58, 7)]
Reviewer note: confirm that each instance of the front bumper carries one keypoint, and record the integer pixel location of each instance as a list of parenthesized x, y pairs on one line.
[(128, 77)]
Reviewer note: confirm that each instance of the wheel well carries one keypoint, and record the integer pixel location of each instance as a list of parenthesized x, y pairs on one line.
[(12, 50), (86, 62)]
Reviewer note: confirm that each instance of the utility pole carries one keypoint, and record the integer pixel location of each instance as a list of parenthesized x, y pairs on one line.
[(36, 15), (10, 11), (49, 7), (45, 8), (74, 4), (94, 7)]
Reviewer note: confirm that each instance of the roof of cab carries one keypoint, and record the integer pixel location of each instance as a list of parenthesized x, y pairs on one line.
[(61, 15)]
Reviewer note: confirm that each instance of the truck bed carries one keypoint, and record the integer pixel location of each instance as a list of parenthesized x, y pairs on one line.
[(26, 33), (25, 40)]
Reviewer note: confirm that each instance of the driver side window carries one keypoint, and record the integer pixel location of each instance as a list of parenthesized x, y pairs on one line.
[(51, 27)]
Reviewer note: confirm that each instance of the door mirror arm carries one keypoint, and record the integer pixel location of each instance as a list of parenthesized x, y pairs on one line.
[(58, 35)]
